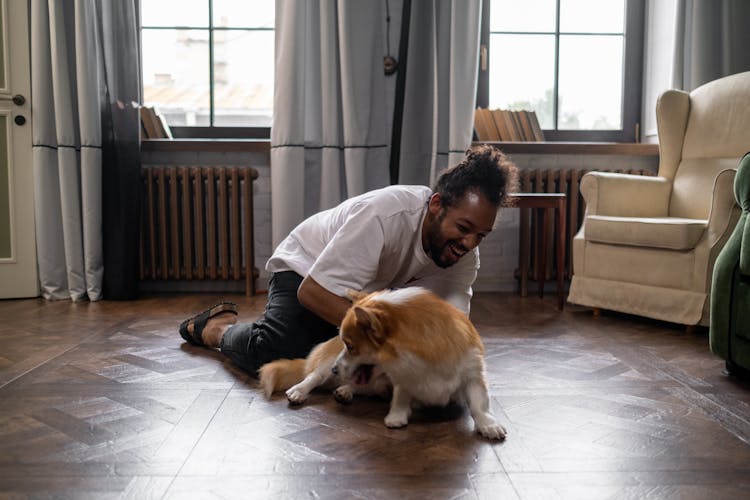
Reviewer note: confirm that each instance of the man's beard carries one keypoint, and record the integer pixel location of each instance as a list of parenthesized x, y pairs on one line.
[(436, 244)]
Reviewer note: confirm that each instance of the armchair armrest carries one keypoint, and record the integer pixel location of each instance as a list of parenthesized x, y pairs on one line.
[(742, 195), (624, 195), (745, 249)]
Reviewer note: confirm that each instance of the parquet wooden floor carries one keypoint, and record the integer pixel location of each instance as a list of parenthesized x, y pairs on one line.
[(104, 400)]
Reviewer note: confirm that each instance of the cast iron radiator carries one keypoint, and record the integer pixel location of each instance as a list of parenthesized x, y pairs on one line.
[(197, 224), (547, 180)]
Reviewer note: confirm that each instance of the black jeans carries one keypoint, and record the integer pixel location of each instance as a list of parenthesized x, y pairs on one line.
[(286, 329)]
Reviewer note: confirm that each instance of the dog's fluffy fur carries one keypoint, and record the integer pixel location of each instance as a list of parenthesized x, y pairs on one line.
[(428, 349), (300, 376)]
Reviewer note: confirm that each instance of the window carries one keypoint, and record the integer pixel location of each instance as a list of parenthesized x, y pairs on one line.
[(576, 63), (207, 65)]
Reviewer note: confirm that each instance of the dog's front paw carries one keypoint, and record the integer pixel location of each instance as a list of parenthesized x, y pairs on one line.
[(492, 431), (295, 396), (343, 394), (396, 420)]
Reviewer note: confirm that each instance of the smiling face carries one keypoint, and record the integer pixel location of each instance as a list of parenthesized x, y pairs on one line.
[(448, 233)]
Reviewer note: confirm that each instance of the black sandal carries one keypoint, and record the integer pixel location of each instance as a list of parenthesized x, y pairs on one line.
[(199, 322)]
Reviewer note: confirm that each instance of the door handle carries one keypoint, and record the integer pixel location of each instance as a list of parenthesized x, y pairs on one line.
[(17, 99)]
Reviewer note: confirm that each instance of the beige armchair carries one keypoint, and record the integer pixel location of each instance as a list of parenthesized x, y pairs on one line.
[(647, 245)]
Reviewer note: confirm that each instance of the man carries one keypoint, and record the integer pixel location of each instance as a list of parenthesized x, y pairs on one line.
[(393, 237)]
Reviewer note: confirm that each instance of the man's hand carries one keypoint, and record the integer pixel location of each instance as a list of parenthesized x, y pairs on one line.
[(320, 301)]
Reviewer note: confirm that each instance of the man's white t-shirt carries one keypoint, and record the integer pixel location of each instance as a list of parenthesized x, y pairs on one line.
[(372, 242)]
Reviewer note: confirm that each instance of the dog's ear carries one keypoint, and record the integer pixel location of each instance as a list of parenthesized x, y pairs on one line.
[(369, 322), (355, 295)]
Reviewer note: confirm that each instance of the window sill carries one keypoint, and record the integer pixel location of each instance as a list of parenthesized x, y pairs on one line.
[(207, 145), (538, 148), (576, 148)]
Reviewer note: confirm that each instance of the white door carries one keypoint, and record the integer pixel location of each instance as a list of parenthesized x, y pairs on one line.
[(18, 268)]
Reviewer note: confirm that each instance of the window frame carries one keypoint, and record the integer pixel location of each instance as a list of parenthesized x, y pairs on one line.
[(210, 131), (632, 78)]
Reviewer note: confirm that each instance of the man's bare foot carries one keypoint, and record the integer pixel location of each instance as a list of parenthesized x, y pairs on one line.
[(215, 328)]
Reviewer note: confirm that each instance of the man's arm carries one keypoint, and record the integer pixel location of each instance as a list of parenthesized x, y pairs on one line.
[(320, 301)]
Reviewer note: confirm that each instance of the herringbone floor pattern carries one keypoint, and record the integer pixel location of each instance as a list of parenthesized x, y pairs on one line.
[(104, 400)]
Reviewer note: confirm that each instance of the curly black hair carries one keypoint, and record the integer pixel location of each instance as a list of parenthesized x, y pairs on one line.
[(485, 170)]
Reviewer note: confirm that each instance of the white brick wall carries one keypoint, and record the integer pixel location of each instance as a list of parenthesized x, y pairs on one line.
[(499, 251), (499, 254)]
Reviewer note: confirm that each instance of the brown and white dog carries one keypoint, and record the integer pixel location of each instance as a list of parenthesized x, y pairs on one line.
[(298, 377), (425, 347)]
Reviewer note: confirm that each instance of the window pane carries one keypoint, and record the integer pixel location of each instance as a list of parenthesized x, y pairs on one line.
[(522, 74), (175, 75), (590, 82), (244, 13), (528, 15), (592, 16), (243, 76), (192, 13)]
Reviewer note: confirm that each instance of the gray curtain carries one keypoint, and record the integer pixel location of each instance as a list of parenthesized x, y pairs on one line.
[(712, 40), (330, 133), (441, 82), (333, 105), (72, 102)]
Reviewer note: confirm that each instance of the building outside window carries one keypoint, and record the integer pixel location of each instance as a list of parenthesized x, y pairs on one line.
[(209, 63), (576, 63)]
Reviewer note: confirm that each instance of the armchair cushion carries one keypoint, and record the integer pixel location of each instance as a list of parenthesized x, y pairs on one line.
[(672, 233)]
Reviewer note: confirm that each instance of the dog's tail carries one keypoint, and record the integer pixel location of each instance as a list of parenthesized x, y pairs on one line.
[(281, 374)]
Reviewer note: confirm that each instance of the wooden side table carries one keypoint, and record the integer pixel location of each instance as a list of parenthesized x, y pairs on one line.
[(546, 202)]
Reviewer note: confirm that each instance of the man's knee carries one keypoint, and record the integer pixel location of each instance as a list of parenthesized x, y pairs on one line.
[(247, 349)]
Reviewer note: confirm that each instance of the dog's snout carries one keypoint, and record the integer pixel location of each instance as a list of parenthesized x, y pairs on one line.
[(335, 370)]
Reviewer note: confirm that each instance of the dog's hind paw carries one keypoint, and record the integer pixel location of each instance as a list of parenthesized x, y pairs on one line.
[(343, 394), (295, 396), (492, 431)]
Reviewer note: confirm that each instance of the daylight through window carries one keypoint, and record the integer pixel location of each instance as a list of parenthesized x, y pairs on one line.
[(209, 62), (567, 60)]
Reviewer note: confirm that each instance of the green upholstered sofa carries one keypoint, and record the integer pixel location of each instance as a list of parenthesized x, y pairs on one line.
[(730, 288)]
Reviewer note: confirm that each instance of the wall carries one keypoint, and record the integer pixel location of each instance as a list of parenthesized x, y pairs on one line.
[(499, 251)]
